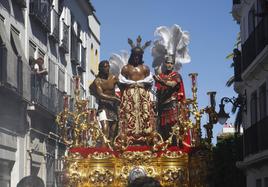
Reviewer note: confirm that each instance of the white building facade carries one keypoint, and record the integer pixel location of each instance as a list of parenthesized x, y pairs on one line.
[(66, 35), (251, 73)]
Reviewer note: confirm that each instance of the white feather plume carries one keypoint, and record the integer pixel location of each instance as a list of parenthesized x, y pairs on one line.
[(172, 41), (117, 61)]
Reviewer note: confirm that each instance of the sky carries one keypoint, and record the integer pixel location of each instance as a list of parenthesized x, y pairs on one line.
[(212, 31)]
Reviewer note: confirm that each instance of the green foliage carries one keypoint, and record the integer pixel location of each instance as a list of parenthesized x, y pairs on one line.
[(230, 57), (225, 155), (230, 81)]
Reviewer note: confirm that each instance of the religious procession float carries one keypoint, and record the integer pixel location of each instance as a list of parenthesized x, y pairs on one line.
[(148, 128)]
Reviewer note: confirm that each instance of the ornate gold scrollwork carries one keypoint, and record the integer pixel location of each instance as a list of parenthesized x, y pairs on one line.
[(101, 177)]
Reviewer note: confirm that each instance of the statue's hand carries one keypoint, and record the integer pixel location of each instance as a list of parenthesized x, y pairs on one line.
[(158, 79), (116, 99)]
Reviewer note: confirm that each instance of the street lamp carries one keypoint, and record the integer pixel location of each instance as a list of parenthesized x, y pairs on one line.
[(237, 102), (222, 115)]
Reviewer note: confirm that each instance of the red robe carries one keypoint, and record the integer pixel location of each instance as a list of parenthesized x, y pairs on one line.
[(170, 117)]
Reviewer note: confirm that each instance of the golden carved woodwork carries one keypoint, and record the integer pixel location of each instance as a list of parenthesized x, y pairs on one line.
[(107, 170)]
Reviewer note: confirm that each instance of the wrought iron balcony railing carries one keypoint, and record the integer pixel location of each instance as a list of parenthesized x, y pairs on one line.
[(54, 26), (255, 43), (39, 9), (46, 94), (64, 36), (255, 138)]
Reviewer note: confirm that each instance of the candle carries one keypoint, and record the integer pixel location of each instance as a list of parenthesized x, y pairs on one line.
[(212, 99)]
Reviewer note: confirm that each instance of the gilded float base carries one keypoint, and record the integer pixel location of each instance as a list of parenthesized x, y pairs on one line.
[(113, 169)]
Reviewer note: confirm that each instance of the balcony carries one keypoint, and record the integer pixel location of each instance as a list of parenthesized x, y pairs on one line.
[(255, 138), (255, 43), (46, 95), (39, 10), (54, 25), (82, 66), (64, 37)]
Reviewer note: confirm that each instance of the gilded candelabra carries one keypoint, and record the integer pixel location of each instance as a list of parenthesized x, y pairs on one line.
[(80, 128), (189, 110)]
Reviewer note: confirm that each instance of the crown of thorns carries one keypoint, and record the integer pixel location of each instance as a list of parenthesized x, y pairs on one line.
[(138, 44)]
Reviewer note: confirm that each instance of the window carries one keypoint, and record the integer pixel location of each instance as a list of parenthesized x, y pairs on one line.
[(51, 70), (35, 168), (78, 31), (81, 78), (50, 172), (61, 80), (5, 173), (35, 53), (74, 46), (61, 5), (41, 54), (258, 182), (32, 49), (261, 9), (96, 57), (18, 50), (71, 86), (253, 108), (83, 56), (64, 36), (251, 20), (40, 10), (266, 182), (15, 41), (262, 101)]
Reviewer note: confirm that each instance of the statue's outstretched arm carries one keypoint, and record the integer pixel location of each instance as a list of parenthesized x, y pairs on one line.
[(174, 81)]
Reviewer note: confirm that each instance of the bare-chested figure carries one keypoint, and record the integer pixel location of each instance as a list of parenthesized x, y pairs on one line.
[(136, 111), (103, 88), (135, 69)]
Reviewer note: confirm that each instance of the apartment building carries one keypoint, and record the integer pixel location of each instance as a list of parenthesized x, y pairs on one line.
[(251, 81), (61, 38)]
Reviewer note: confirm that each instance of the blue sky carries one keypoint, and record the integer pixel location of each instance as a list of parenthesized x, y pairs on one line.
[(212, 29)]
